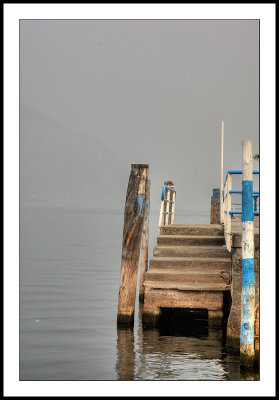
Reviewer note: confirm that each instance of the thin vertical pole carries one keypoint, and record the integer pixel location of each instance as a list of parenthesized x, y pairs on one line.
[(161, 214), (170, 207), (211, 211), (229, 218), (173, 207), (247, 350), (222, 176), (167, 208), (132, 231), (225, 210), (144, 244)]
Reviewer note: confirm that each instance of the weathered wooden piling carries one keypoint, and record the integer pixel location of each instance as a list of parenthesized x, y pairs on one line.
[(132, 231), (215, 207), (247, 350), (144, 244)]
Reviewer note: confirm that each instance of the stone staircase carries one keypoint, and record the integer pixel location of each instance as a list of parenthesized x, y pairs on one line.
[(190, 268)]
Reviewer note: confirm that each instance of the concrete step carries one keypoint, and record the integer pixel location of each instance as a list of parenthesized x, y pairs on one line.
[(191, 251), (191, 240), (193, 229), (186, 286), (185, 263), (191, 276)]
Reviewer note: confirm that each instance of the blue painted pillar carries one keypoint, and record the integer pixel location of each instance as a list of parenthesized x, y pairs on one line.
[(248, 276)]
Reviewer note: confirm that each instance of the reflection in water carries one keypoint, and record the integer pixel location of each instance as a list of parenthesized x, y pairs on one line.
[(184, 322), (181, 347), (125, 365), (69, 281)]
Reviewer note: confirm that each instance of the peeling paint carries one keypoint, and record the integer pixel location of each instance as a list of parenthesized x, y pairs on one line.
[(248, 275), (247, 301), (141, 203), (247, 201)]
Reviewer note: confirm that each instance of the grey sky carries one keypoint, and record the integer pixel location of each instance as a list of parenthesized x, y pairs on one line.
[(99, 95)]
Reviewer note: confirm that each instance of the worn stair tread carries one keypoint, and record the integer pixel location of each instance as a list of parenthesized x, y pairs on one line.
[(191, 240), (190, 275), (191, 247), (190, 263), (186, 272), (187, 286), (191, 237), (194, 229), (208, 226), (204, 260), (184, 250)]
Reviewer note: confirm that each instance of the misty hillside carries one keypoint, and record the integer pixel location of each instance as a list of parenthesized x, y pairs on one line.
[(62, 168)]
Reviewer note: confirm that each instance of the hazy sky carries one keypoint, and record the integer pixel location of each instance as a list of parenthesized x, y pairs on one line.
[(98, 95)]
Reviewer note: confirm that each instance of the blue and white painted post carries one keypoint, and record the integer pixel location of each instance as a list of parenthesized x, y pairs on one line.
[(247, 350)]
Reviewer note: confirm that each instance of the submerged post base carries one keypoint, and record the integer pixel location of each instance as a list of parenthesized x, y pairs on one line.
[(215, 317), (247, 354), (141, 297), (125, 319), (151, 316)]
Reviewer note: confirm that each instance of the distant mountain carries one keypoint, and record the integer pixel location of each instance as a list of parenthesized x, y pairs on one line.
[(59, 167)]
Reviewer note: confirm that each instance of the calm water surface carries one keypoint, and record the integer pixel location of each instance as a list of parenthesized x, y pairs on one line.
[(69, 278)]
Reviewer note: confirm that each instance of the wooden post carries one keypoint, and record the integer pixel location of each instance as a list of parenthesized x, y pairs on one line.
[(247, 350), (144, 244), (132, 230), (215, 207), (222, 176)]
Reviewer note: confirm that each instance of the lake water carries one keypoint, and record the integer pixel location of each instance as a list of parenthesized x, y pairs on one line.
[(69, 280)]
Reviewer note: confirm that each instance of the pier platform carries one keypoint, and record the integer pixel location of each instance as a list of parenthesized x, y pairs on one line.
[(190, 268)]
